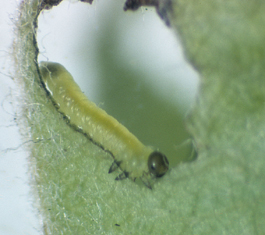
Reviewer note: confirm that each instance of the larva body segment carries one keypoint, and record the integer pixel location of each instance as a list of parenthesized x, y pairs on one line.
[(131, 155)]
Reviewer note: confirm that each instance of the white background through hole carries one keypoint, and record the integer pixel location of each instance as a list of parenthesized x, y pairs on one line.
[(143, 41)]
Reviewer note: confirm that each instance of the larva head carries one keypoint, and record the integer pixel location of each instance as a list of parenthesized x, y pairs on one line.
[(157, 164)]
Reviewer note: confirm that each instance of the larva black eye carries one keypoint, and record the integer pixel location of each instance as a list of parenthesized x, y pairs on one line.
[(157, 164)]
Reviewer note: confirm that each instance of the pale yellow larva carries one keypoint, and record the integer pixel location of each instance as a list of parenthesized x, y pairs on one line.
[(133, 158)]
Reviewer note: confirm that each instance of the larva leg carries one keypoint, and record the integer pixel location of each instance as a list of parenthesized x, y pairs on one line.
[(122, 176), (114, 166), (145, 180)]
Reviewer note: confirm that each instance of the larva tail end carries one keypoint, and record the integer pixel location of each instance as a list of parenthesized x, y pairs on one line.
[(51, 70), (122, 176)]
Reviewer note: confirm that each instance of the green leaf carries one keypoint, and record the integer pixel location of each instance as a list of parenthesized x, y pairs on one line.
[(222, 192)]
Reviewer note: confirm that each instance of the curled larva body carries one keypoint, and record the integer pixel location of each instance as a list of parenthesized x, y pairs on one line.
[(129, 153)]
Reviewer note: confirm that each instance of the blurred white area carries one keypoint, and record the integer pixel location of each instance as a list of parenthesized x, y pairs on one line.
[(144, 39), (129, 63)]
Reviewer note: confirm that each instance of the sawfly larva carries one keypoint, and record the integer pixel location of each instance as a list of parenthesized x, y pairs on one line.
[(130, 155)]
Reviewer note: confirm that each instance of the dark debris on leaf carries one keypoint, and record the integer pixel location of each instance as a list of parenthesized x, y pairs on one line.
[(163, 7), (48, 4)]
